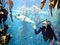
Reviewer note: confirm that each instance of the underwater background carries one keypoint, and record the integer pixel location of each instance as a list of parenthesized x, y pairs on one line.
[(23, 32)]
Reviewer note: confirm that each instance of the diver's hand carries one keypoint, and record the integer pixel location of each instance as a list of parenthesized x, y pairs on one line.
[(34, 26)]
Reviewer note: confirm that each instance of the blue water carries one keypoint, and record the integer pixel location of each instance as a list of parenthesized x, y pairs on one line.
[(23, 32)]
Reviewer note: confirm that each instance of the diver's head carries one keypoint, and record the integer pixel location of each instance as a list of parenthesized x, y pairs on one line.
[(44, 23)]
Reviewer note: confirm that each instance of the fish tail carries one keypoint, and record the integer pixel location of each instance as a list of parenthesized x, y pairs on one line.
[(11, 16), (51, 11)]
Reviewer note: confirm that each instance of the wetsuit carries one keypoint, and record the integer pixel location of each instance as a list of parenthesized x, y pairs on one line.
[(46, 32)]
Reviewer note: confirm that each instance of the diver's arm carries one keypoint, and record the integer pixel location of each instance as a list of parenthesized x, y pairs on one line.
[(54, 35), (37, 32)]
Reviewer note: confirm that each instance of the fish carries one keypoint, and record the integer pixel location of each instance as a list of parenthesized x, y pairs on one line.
[(58, 5), (55, 2), (42, 4), (52, 5), (10, 3), (24, 18)]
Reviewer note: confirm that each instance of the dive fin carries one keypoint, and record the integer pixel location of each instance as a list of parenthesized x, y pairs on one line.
[(42, 4)]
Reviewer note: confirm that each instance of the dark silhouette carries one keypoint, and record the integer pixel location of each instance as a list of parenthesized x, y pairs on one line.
[(4, 38), (3, 14)]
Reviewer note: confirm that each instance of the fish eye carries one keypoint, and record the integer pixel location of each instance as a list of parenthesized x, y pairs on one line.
[(18, 14)]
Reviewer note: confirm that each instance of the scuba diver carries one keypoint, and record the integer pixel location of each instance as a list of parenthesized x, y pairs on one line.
[(47, 32), (4, 38)]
